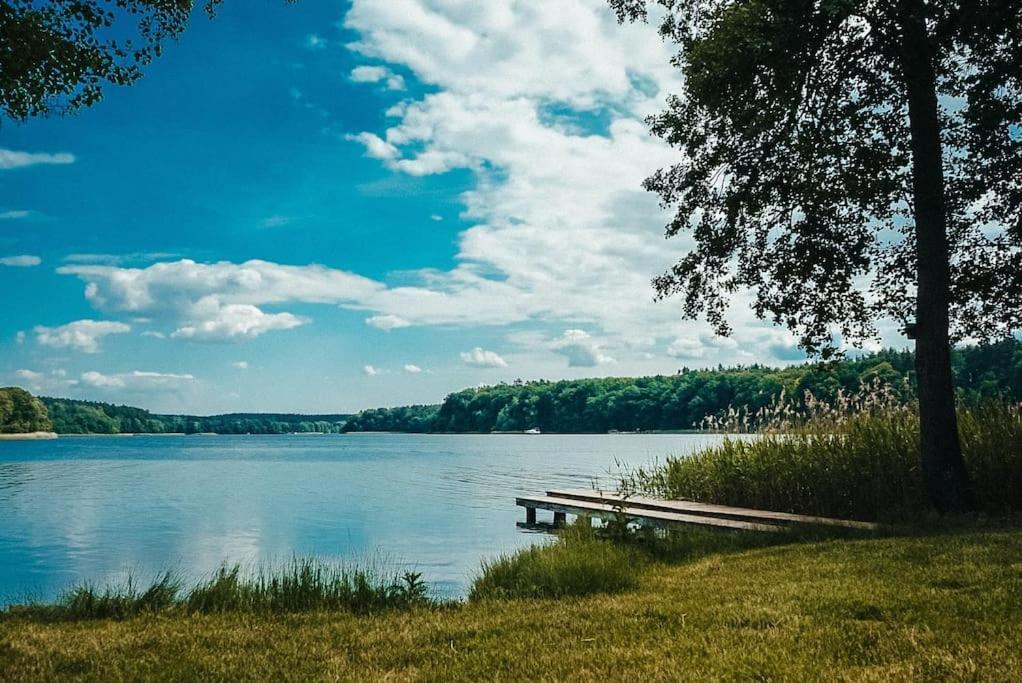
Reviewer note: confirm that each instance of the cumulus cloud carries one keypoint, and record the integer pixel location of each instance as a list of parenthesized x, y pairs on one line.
[(81, 335), (378, 74), (234, 322), (137, 380), (10, 159), (218, 301), (387, 322), (481, 358), (370, 370), (412, 369), (581, 350), (23, 261), (29, 375), (54, 381), (315, 42), (376, 147), (689, 349), (562, 232), (240, 365)]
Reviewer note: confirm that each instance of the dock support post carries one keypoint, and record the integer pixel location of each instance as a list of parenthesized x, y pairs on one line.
[(560, 518), (530, 516)]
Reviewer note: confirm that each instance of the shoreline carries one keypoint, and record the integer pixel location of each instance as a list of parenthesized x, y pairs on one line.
[(29, 436)]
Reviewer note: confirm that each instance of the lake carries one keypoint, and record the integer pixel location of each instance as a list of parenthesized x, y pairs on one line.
[(99, 508)]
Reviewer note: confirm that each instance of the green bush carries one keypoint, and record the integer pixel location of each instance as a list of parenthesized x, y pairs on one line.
[(860, 466), (577, 564)]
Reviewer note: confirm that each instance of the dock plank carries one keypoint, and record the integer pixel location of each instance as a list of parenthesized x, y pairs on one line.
[(606, 510), (718, 511)]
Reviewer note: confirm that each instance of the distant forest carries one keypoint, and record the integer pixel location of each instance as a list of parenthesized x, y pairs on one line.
[(684, 400), (88, 417), (663, 402)]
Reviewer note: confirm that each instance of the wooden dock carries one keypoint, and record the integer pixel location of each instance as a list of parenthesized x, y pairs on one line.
[(663, 513)]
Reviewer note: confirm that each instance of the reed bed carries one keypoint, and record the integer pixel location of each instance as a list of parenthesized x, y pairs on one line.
[(857, 458)]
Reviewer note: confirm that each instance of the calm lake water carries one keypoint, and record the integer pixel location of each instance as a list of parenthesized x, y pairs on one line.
[(99, 508)]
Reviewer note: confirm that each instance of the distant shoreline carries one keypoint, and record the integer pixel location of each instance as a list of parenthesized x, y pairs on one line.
[(29, 436)]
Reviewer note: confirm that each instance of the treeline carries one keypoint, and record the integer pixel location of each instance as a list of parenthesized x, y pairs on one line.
[(684, 400), (21, 412), (70, 416)]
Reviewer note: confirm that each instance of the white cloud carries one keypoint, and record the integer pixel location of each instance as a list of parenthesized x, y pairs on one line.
[(689, 349), (315, 42), (276, 221), (234, 322), (219, 301), (376, 147), (14, 215), (29, 375), (412, 369), (10, 159), (154, 334), (370, 370), (436, 217), (581, 350), (481, 358), (240, 365), (82, 335), (378, 74), (20, 337), (23, 261), (136, 380), (387, 322), (562, 232)]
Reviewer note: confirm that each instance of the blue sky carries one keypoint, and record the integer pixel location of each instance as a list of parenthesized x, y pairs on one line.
[(331, 206)]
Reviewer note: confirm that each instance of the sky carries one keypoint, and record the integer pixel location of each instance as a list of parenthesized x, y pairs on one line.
[(331, 206)]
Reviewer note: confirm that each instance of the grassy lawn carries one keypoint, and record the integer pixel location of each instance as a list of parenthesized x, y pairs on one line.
[(941, 607)]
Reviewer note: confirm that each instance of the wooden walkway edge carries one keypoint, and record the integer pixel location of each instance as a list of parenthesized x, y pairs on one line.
[(659, 512)]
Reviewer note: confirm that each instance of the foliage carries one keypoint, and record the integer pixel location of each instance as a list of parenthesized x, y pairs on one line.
[(859, 465), (90, 417), (686, 400), (22, 413), (58, 55), (941, 607), (578, 564), (415, 419), (799, 150)]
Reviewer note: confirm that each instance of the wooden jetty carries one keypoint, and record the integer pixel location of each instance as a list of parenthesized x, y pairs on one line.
[(658, 512)]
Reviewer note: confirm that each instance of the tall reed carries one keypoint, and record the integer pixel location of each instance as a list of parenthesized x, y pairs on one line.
[(857, 458)]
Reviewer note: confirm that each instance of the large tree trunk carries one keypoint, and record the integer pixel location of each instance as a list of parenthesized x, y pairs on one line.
[(943, 469)]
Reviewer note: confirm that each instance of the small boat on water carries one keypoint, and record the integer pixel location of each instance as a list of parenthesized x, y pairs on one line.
[(533, 431)]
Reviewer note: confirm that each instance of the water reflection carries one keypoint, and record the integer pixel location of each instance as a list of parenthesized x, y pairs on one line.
[(97, 508)]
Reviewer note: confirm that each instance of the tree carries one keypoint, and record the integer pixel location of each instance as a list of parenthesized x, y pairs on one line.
[(56, 56), (21, 412), (848, 161)]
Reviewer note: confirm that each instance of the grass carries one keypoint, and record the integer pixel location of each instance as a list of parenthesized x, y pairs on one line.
[(932, 607), (859, 466), (302, 585), (578, 564)]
